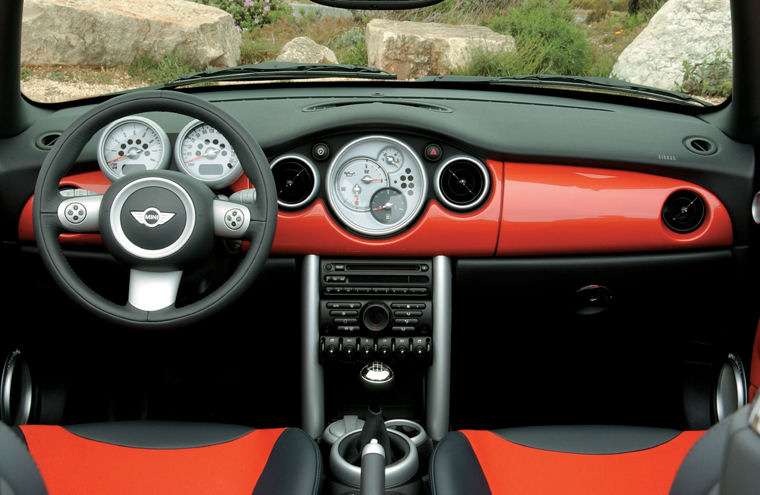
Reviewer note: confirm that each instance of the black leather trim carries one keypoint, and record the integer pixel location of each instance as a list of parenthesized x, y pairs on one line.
[(17, 468), (455, 470), (159, 434), (294, 466), (701, 470), (589, 439)]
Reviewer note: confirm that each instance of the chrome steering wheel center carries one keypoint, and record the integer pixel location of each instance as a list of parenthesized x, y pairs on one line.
[(152, 218)]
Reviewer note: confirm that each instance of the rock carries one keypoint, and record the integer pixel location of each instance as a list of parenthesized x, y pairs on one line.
[(114, 32), (317, 10), (693, 30), (415, 49), (306, 50)]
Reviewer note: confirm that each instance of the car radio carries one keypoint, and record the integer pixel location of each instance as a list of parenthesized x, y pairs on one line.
[(375, 309)]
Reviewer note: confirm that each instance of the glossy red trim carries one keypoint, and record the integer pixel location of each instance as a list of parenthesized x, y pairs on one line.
[(70, 464), (754, 367), (551, 209), (512, 468), (438, 231), (547, 209)]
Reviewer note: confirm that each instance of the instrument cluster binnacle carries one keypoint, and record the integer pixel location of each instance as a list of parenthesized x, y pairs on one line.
[(376, 185)]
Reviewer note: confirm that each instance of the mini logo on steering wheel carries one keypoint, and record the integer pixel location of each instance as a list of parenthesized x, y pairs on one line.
[(152, 217)]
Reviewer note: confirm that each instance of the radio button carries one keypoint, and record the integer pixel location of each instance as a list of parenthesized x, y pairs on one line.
[(406, 321), (408, 314), (348, 328), (402, 329), (345, 321), (408, 305), (344, 313)]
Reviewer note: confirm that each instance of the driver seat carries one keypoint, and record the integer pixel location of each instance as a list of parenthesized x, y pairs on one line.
[(141, 457)]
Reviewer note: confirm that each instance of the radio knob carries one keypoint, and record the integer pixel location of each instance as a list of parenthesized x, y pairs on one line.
[(376, 316)]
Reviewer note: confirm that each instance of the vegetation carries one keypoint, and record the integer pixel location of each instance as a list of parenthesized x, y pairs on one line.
[(157, 71), (251, 14), (711, 77)]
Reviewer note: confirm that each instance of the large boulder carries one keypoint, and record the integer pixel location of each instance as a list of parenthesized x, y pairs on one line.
[(114, 32), (692, 30), (306, 50), (416, 49)]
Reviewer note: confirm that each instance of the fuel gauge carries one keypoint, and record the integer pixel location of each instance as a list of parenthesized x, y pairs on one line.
[(391, 158), (388, 205)]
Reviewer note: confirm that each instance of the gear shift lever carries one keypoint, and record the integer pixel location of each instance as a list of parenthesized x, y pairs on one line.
[(377, 379)]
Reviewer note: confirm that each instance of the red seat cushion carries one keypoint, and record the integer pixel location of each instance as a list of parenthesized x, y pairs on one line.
[(72, 464), (584, 460), (513, 468)]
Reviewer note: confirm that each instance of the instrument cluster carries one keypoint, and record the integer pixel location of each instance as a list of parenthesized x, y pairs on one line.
[(135, 143), (376, 185)]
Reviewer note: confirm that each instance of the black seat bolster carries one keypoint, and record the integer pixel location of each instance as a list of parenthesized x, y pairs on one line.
[(294, 466), (454, 468), (701, 470), (588, 439), (17, 468), (147, 434)]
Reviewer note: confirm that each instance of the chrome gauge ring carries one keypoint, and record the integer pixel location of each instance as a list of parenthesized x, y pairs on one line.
[(132, 144), (205, 154), (376, 185)]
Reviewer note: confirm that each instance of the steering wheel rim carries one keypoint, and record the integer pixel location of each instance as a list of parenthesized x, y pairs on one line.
[(61, 158)]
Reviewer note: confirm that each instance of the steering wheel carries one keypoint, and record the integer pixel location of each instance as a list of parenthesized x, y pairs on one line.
[(158, 223)]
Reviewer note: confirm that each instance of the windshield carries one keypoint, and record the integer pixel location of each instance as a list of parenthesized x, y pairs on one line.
[(82, 48)]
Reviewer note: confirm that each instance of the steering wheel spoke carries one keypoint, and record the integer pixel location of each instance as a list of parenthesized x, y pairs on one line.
[(80, 213), (153, 291), (231, 220)]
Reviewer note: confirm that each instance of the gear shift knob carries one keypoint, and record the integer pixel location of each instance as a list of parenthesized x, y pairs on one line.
[(376, 378)]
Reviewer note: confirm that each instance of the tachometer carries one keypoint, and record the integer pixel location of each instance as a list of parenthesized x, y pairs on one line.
[(204, 153), (132, 144)]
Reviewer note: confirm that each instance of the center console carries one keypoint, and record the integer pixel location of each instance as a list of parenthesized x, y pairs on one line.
[(391, 312)]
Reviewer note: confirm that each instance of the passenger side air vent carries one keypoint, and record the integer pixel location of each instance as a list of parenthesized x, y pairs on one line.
[(296, 179), (684, 211), (462, 183), (700, 145)]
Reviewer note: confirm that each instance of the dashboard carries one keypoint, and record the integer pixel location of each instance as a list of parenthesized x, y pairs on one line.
[(572, 233)]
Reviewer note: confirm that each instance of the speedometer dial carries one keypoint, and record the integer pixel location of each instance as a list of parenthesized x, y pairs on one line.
[(132, 144), (376, 185), (204, 153)]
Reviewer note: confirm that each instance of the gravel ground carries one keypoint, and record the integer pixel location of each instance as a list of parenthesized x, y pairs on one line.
[(49, 91)]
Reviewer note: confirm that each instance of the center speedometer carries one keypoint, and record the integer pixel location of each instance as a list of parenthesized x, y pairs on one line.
[(376, 185)]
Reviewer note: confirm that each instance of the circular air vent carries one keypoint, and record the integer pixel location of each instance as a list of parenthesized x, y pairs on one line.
[(462, 183), (684, 211), (297, 180), (700, 145)]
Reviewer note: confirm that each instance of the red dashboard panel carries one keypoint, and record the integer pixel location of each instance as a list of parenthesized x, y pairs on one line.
[(532, 210), (439, 231), (552, 209)]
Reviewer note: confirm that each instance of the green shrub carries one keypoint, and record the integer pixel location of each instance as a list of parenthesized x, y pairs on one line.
[(251, 14), (526, 59), (711, 77), (351, 47), (547, 36)]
